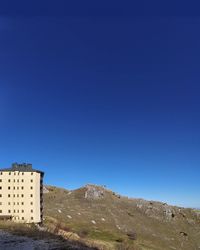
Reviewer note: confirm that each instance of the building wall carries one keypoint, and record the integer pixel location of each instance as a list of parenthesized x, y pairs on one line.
[(20, 196)]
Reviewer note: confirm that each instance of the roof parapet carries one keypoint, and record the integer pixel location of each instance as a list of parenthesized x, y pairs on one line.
[(23, 167)]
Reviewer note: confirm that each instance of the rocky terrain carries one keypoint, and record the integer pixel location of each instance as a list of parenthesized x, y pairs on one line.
[(93, 217), (110, 221)]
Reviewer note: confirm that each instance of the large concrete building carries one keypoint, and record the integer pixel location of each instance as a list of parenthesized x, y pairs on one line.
[(21, 193)]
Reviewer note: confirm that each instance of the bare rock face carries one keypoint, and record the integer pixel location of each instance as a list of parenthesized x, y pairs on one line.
[(93, 192), (45, 190), (158, 210), (169, 214)]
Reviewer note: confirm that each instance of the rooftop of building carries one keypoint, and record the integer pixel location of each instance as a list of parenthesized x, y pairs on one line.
[(23, 167)]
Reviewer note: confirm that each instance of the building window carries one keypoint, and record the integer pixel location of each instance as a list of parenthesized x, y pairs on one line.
[(31, 218), (22, 173), (18, 211), (8, 195), (9, 211), (17, 188), (14, 210), (22, 218), (17, 203), (22, 180), (31, 187), (0, 203), (31, 203), (8, 203), (1, 173), (13, 195), (31, 180), (22, 187), (17, 195), (9, 173), (8, 187), (22, 195), (14, 173), (31, 195), (8, 180), (31, 173), (22, 211), (17, 180), (0, 187), (14, 180), (13, 187), (1, 212), (0, 180), (31, 210), (0, 195), (14, 203), (22, 203)]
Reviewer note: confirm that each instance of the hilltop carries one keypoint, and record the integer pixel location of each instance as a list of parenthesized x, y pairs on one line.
[(100, 217)]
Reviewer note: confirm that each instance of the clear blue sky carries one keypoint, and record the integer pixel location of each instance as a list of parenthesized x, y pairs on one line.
[(103, 94)]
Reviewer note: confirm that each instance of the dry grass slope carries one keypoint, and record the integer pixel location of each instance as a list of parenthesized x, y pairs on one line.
[(99, 217)]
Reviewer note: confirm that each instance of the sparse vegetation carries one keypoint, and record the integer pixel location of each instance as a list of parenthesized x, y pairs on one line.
[(106, 222), (113, 223), (132, 235), (31, 231)]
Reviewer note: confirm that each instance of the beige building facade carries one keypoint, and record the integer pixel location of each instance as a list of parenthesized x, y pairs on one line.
[(21, 193)]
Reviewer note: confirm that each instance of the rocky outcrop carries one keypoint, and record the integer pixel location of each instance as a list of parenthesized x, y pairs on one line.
[(94, 192), (164, 212), (45, 190)]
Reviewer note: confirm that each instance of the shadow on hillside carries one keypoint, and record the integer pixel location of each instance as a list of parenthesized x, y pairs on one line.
[(16, 237)]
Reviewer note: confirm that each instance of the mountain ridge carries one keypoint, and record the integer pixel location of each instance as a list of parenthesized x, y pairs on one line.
[(124, 195), (99, 214)]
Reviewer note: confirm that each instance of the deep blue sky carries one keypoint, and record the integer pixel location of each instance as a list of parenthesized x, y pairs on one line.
[(103, 94)]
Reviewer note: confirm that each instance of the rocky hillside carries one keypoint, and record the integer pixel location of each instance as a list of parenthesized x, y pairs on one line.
[(108, 220)]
